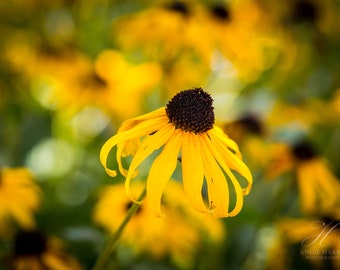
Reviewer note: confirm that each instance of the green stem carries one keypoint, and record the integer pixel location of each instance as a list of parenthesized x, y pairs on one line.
[(113, 240)]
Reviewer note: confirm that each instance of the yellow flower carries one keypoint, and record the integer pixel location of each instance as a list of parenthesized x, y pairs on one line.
[(160, 31), (19, 198), (180, 233), (126, 83), (68, 80), (34, 251), (238, 30), (303, 114), (318, 186), (185, 125), (169, 34)]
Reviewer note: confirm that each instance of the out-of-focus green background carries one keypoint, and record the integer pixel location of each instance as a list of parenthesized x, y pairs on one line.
[(72, 71)]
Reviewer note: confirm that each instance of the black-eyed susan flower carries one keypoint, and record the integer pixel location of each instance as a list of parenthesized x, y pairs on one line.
[(184, 127), (318, 186), (19, 199), (180, 234), (32, 250)]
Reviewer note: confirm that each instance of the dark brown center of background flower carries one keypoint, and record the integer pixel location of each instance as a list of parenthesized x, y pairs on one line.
[(191, 110), (179, 7), (252, 124), (221, 12), (31, 243), (303, 151), (305, 11)]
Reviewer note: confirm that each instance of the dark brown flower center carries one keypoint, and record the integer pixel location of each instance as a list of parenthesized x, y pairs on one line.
[(31, 243), (179, 7), (303, 151), (251, 123), (305, 11), (191, 110), (220, 12)]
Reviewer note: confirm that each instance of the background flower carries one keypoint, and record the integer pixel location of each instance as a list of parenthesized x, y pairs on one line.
[(33, 250), (19, 199), (182, 234)]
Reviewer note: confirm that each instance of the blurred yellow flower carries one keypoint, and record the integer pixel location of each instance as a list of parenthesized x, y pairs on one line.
[(128, 83), (319, 238), (249, 132), (68, 80), (302, 114), (185, 125), (160, 31), (33, 251), (237, 30), (19, 198), (318, 186), (169, 32), (180, 233)]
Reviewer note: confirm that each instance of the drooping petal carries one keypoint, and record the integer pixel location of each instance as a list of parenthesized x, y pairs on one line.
[(238, 193), (161, 171), (229, 143), (130, 123), (140, 130), (218, 190), (318, 187), (215, 152), (151, 126), (306, 190), (148, 146), (327, 180), (231, 159), (192, 170)]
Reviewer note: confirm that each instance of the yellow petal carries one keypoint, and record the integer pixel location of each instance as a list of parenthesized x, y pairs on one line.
[(229, 143), (128, 124), (192, 170), (220, 158), (232, 160), (161, 171), (328, 181), (22, 215), (218, 190), (131, 146), (149, 126), (144, 76), (141, 129), (149, 145), (306, 184), (318, 187)]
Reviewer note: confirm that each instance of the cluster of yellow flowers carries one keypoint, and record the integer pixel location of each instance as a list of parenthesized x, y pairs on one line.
[(180, 233), (225, 114)]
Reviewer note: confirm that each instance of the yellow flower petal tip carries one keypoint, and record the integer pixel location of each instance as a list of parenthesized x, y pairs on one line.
[(111, 173)]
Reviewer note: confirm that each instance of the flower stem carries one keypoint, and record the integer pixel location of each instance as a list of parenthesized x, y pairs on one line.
[(113, 240)]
